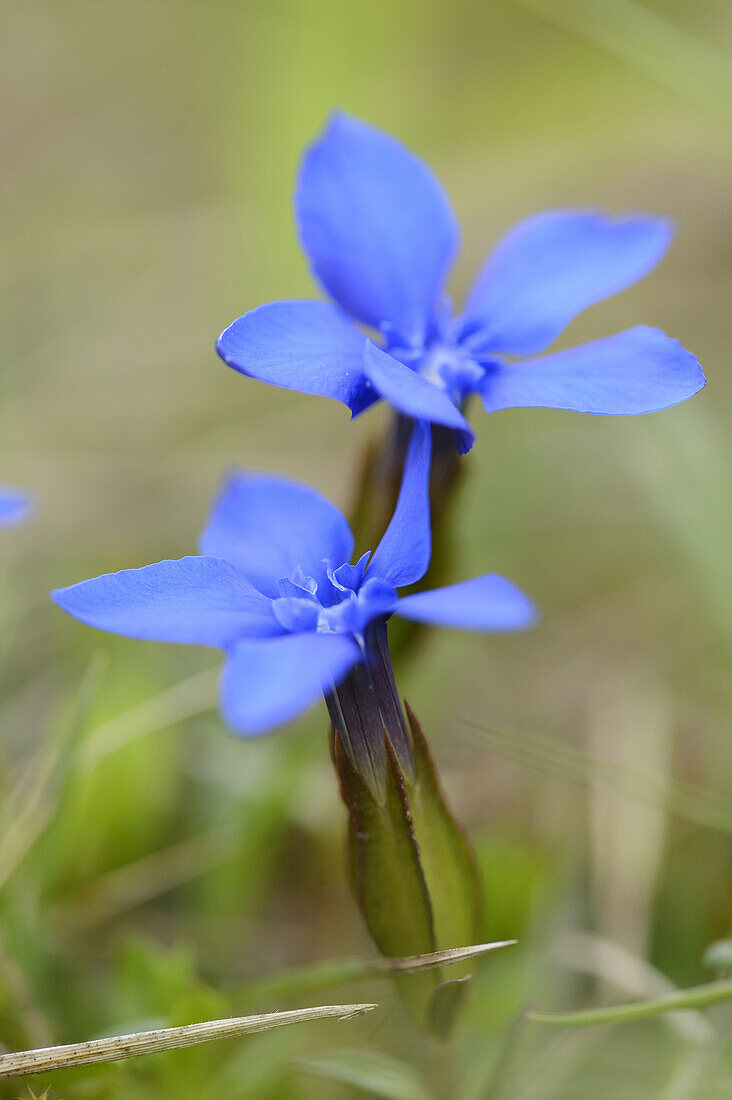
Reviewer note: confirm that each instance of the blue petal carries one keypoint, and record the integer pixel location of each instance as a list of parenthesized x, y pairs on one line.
[(311, 347), (485, 603), (554, 265), (463, 441), (296, 613), (376, 226), (374, 599), (347, 578), (403, 554), (202, 601), (15, 507), (305, 588), (268, 682), (409, 392), (637, 371), (271, 527)]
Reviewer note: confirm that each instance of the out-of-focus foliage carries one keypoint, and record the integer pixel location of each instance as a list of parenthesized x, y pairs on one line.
[(161, 870)]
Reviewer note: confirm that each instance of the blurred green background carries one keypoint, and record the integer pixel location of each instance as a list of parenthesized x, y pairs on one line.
[(156, 869)]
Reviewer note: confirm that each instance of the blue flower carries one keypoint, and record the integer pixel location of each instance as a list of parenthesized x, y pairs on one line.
[(380, 236), (275, 588), (15, 507)]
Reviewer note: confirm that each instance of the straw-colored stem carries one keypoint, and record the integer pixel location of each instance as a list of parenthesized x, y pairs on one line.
[(117, 1047)]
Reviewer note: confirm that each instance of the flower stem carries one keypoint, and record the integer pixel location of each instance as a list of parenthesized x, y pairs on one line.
[(376, 498)]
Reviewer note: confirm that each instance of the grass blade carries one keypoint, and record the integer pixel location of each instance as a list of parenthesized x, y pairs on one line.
[(652, 44), (117, 1047), (439, 958), (186, 699), (547, 754), (33, 805), (147, 878), (302, 980)]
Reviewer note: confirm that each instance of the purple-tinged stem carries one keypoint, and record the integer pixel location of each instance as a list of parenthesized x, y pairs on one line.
[(365, 708)]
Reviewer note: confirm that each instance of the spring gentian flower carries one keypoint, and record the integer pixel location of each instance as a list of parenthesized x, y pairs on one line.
[(380, 237), (275, 588), (15, 507)]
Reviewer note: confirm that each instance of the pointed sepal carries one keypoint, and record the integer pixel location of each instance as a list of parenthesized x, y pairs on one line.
[(447, 858), (387, 874)]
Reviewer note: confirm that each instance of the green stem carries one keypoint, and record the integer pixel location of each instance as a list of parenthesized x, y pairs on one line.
[(699, 996), (376, 497)]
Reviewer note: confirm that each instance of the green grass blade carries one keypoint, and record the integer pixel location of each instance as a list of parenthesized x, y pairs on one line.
[(32, 806), (186, 699)]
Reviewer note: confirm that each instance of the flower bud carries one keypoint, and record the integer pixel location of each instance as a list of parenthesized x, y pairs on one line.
[(412, 867)]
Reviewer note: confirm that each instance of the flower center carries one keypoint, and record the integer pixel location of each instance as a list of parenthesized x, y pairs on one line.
[(337, 601), (444, 362), (452, 369)]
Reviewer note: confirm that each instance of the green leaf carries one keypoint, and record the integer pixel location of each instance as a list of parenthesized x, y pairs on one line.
[(697, 997), (377, 1074)]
